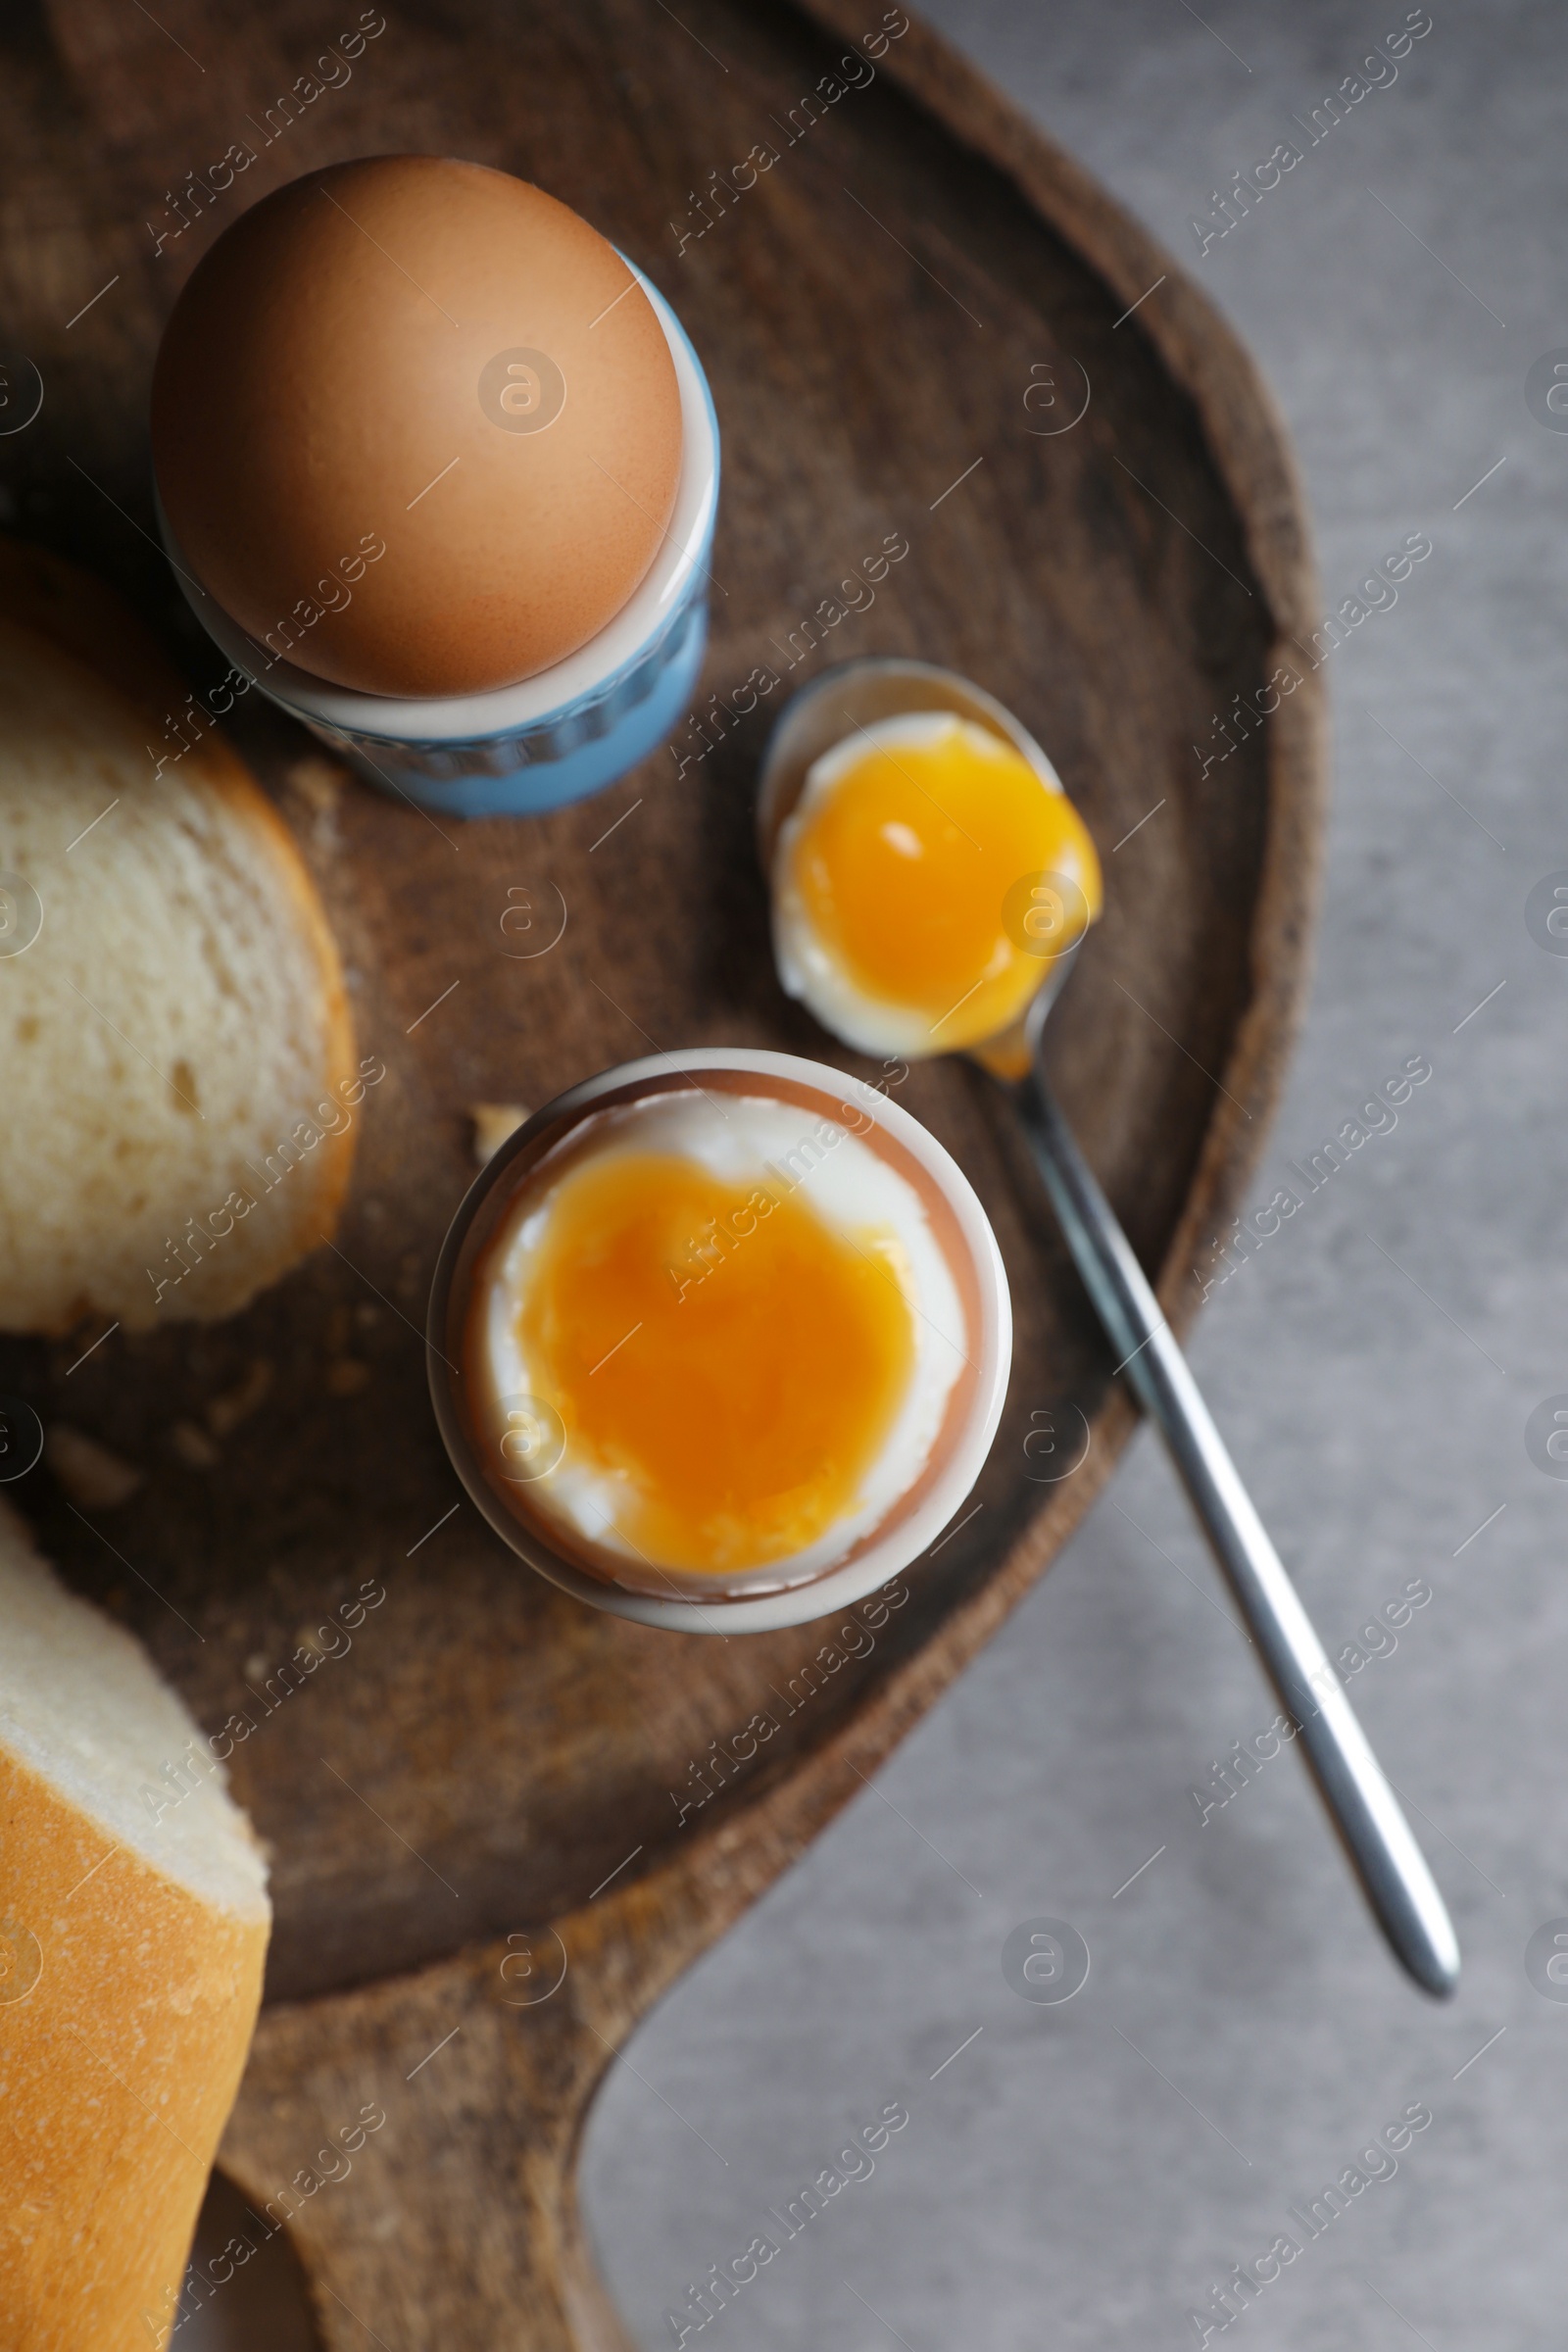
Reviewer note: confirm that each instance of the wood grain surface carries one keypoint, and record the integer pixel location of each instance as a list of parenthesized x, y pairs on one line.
[(873, 315)]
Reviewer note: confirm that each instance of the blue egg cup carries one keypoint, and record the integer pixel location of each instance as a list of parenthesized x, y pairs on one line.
[(620, 696)]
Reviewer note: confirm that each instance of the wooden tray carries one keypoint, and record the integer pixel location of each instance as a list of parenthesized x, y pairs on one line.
[(893, 318)]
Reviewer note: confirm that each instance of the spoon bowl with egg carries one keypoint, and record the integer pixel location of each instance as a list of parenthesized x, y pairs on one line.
[(932, 886)]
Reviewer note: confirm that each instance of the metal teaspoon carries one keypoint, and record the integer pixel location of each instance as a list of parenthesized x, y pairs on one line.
[(1393, 1870)]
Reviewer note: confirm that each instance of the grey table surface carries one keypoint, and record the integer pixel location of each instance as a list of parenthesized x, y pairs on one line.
[(1088, 2174)]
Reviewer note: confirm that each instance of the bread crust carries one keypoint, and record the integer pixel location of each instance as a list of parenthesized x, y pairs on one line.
[(128, 1996), (126, 2008)]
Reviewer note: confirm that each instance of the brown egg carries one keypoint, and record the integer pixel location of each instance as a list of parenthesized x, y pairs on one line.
[(415, 426)]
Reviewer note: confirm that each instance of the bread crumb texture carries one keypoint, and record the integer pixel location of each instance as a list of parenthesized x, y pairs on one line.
[(493, 1124), (132, 1936), (177, 1056)]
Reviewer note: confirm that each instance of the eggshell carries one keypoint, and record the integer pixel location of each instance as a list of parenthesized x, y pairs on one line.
[(416, 426)]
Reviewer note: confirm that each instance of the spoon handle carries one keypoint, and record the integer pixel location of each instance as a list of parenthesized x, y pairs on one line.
[(1392, 1867)]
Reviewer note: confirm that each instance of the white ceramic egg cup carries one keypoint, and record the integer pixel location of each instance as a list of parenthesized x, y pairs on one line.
[(556, 737), (696, 1604)]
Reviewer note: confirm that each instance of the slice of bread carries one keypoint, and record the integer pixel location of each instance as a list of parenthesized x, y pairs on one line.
[(176, 1056), (134, 1926)]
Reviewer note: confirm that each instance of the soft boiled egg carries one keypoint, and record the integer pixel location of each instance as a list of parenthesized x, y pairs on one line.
[(925, 882), (741, 1327), (416, 427)]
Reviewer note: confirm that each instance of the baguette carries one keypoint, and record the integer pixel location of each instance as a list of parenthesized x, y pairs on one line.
[(134, 1926)]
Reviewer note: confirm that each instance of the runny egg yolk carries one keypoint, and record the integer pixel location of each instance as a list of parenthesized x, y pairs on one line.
[(928, 864), (720, 1354)]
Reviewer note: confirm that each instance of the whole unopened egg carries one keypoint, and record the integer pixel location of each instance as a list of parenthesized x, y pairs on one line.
[(416, 426)]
